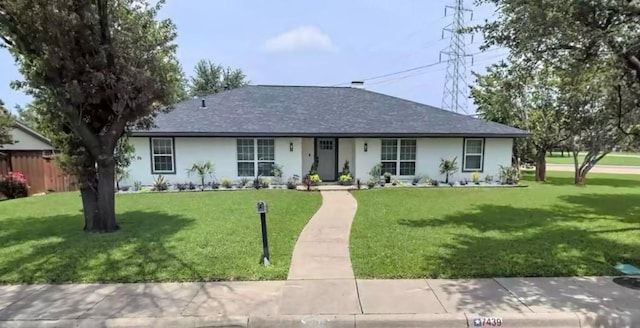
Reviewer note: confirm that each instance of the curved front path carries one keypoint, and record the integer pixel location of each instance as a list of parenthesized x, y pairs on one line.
[(322, 249), (321, 279)]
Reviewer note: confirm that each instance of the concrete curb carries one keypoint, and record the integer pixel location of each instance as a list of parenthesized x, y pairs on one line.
[(521, 320)]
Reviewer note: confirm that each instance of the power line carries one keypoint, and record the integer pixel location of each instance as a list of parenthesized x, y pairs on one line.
[(394, 73)]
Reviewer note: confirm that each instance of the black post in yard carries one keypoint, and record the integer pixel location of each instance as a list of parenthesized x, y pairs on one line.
[(261, 208), (265, 242)]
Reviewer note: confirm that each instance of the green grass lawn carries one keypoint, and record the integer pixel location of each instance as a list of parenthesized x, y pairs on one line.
[(552, 229), (163, 237), (610, 159)]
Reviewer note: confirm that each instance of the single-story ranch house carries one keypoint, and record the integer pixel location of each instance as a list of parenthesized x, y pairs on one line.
[(245, 131)]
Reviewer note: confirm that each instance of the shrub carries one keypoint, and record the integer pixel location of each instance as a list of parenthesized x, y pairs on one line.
[(292, 183), (160, 183), (434, 182), (311, 180), (243, 182), (475, 177), (371, 183), (314, 167), (508, 175), (345, 168), (416, 179), (137, 185), (488, 179), (225, 182), (265, 182), (181, 186), (345, 179), (376, 172), (14, 185), (276, 170)]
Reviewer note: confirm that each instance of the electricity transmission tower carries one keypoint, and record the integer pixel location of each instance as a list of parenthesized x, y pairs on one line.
[(455, 86)]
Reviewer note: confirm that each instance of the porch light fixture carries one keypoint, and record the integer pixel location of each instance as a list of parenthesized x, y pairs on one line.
[(366, 146), (291, 146)]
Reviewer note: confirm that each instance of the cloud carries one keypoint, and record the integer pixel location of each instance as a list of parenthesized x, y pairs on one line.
[(303, 38)]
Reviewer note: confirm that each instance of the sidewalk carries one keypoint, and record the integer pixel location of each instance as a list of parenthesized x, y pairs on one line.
[(520, 302)]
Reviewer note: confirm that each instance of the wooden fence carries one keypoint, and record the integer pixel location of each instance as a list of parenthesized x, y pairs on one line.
[(42, 173)]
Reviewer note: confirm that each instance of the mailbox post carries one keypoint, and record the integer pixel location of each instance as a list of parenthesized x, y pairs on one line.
[(261, 208)]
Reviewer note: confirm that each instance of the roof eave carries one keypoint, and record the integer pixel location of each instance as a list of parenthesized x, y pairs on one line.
[(325, 134)]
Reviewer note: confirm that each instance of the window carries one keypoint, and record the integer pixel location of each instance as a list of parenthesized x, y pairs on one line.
[(473, 155), (163, 160), (326, 144), (405, 164), (255, 155)]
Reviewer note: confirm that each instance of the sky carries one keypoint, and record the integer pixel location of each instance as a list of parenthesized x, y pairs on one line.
[(329, 42)]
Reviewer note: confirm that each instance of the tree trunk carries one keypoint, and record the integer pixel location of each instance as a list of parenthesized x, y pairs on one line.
[(580, 177), (89, 196), (541, 166), (105, 221)]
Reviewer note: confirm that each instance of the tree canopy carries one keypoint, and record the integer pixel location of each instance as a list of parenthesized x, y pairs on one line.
[(210, 78), (99, 67), (6, 123)]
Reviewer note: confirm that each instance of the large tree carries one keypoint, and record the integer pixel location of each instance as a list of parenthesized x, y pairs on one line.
[(6, 123), (210, 78), (102, 67), (581, 41), (526, 99), (29, 116)]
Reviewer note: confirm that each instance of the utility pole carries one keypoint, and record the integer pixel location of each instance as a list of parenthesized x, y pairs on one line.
[(455, 96)]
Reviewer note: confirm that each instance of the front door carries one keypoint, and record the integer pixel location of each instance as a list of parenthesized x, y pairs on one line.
[(326, 149)]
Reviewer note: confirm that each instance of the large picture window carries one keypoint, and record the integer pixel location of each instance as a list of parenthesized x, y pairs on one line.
[(473, 155), (255, 157), (398, 156), (162, 156)]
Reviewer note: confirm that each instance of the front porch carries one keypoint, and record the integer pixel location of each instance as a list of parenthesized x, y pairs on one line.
[(331, 153)]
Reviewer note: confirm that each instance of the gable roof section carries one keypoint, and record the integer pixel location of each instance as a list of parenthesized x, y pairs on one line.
[(316, 111), (26, 138)]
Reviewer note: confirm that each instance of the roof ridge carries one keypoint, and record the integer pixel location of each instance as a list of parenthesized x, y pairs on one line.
[(300, 86)]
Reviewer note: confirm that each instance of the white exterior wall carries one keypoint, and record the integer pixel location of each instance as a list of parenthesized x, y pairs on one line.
[(25, 141), (429, 152), (366, 160), (221, 151), (346, 153)]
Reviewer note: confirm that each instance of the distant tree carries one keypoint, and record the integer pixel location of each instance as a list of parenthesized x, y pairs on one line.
[(210, 78), (29, 116), (6, 123)]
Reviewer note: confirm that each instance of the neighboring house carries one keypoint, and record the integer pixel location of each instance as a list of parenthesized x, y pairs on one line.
[(245, 131), (32, 154)]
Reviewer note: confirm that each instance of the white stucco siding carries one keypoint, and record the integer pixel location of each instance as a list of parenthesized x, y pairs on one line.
[(346, 153), (25, 141), (429, 152), (366, 160), (221, 151), (308, 154), (497, 151), (291, 161)]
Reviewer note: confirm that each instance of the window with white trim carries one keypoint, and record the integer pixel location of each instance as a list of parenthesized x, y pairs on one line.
[(255, 157), (162, 156), (398, 156), (473, 154)]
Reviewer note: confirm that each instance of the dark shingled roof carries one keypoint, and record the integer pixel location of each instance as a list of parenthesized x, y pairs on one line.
[(316, 111)]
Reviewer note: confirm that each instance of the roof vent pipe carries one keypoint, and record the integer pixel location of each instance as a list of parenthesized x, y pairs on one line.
[(204, 105), (357, 84)]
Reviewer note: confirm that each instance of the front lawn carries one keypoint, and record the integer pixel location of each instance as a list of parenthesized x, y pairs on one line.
[(164, 237), (552, 229), (610, 159)]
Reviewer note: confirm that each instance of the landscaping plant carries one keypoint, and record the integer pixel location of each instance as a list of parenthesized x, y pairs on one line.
[(203, 170), (292, 183), (448, 167), (14, 185), (160, 183), (225, 182), (475, 177), (276, 170)]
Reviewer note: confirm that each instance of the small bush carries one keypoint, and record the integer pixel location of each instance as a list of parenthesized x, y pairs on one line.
[(181, 186), (371, 183), (292, 183), (160, 183), (243, 182), (345, 179), (14, 185), (137, 185), (488, 179), (225, 182), (475, 177), (416, 179), (311, 180), (264, 183)]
